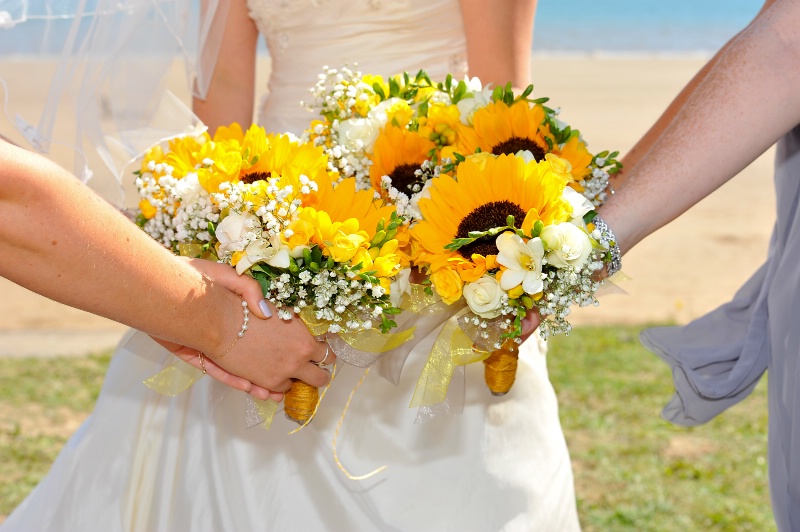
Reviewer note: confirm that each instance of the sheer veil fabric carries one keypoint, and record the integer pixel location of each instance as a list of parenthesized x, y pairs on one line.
[(107, 100), (144, 462)]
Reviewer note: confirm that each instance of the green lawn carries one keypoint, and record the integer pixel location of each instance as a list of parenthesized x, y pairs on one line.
[(633, 471)]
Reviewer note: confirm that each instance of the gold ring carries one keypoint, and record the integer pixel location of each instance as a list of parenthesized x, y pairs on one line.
[(202, 362)]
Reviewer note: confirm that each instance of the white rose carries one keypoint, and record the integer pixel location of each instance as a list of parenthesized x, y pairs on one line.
[(484, 296), (580, 205), (233, 229), (378, 113), (273, 252), (358, 133), (566, 244)]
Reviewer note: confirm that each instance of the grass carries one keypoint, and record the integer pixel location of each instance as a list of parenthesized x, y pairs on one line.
[(633, 471), (42, 402)]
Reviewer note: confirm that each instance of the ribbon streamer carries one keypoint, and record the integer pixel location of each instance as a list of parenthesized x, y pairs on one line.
[(425, 312), (452, 348)]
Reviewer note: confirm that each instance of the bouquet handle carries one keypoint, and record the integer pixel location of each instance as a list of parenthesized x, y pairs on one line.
[(300, 402), (500, 368)]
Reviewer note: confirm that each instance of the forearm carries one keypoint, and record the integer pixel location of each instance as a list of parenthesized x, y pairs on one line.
[(231, 93), (644, 144), (744, 104), (61, 240), (499, 38)]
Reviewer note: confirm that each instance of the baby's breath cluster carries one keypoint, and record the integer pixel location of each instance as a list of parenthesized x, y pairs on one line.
[(268, 206)]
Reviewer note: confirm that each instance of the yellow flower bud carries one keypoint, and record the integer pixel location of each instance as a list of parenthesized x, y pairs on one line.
[(447, 284), (516, 292), (148, 211)]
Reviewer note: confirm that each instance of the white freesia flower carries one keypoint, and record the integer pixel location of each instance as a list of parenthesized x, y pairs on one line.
[(232, 231), (567, 245), (273, 252), (480, 98), (358, 133), (484, 297), (523, 261), (399, 286), (580, 205)]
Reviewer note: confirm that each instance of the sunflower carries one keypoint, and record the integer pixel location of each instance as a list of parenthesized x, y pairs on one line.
[(283, 157), (344, 202), (398, 153), (502, 129), (487, 190)]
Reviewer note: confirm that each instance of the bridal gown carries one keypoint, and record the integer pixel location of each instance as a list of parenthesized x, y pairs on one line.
[(147, 462), (718, 359)]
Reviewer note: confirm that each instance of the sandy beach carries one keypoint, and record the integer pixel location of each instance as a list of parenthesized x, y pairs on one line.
[(679, 273)]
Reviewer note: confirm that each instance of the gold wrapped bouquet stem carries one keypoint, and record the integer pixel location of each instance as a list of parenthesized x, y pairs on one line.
[(500, 369), (300, 402)]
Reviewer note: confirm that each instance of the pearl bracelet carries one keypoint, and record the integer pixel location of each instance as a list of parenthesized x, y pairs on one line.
[(609, 241), (246, 312)]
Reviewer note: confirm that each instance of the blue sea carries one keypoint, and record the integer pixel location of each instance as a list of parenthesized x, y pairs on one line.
[(639, 26), (615, 27)]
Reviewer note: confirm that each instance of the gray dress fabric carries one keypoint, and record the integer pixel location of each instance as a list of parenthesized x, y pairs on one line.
[(718, 359)]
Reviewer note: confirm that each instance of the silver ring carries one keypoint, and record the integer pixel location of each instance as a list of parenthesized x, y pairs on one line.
[(327, 352)]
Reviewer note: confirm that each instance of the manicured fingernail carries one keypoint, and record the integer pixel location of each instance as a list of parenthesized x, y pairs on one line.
[(265, 308)]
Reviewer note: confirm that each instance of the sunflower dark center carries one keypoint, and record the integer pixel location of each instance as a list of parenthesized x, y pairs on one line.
[(404, 178), (255, 176), (515, 144), (485, 217)]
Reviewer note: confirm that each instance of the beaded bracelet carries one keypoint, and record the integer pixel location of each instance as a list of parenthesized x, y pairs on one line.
[(609, 240), (246, 312)]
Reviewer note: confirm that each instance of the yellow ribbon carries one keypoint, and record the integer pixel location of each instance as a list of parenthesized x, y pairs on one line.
[(367, 341), (266, 410), (452, 348), (190, 249), (174, 379)]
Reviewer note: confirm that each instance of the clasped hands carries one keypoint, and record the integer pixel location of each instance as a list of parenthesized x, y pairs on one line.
[(269, 355)]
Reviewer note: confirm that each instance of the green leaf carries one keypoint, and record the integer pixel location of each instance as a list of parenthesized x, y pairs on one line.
[(497, 94), (212, 230), (394, 88), (379, 90), (589, 216), (460, 91)]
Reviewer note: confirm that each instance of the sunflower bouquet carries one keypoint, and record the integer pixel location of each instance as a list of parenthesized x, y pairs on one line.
[(408, 135), (267, 205), (395, 135), (506, 234)]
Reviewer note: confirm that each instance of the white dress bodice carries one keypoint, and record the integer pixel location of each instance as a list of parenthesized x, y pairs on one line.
[(380, 36)]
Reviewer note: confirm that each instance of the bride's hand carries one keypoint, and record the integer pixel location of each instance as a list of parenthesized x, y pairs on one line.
[(530, 323), (291, 354), (222, 274), (273, 350)]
